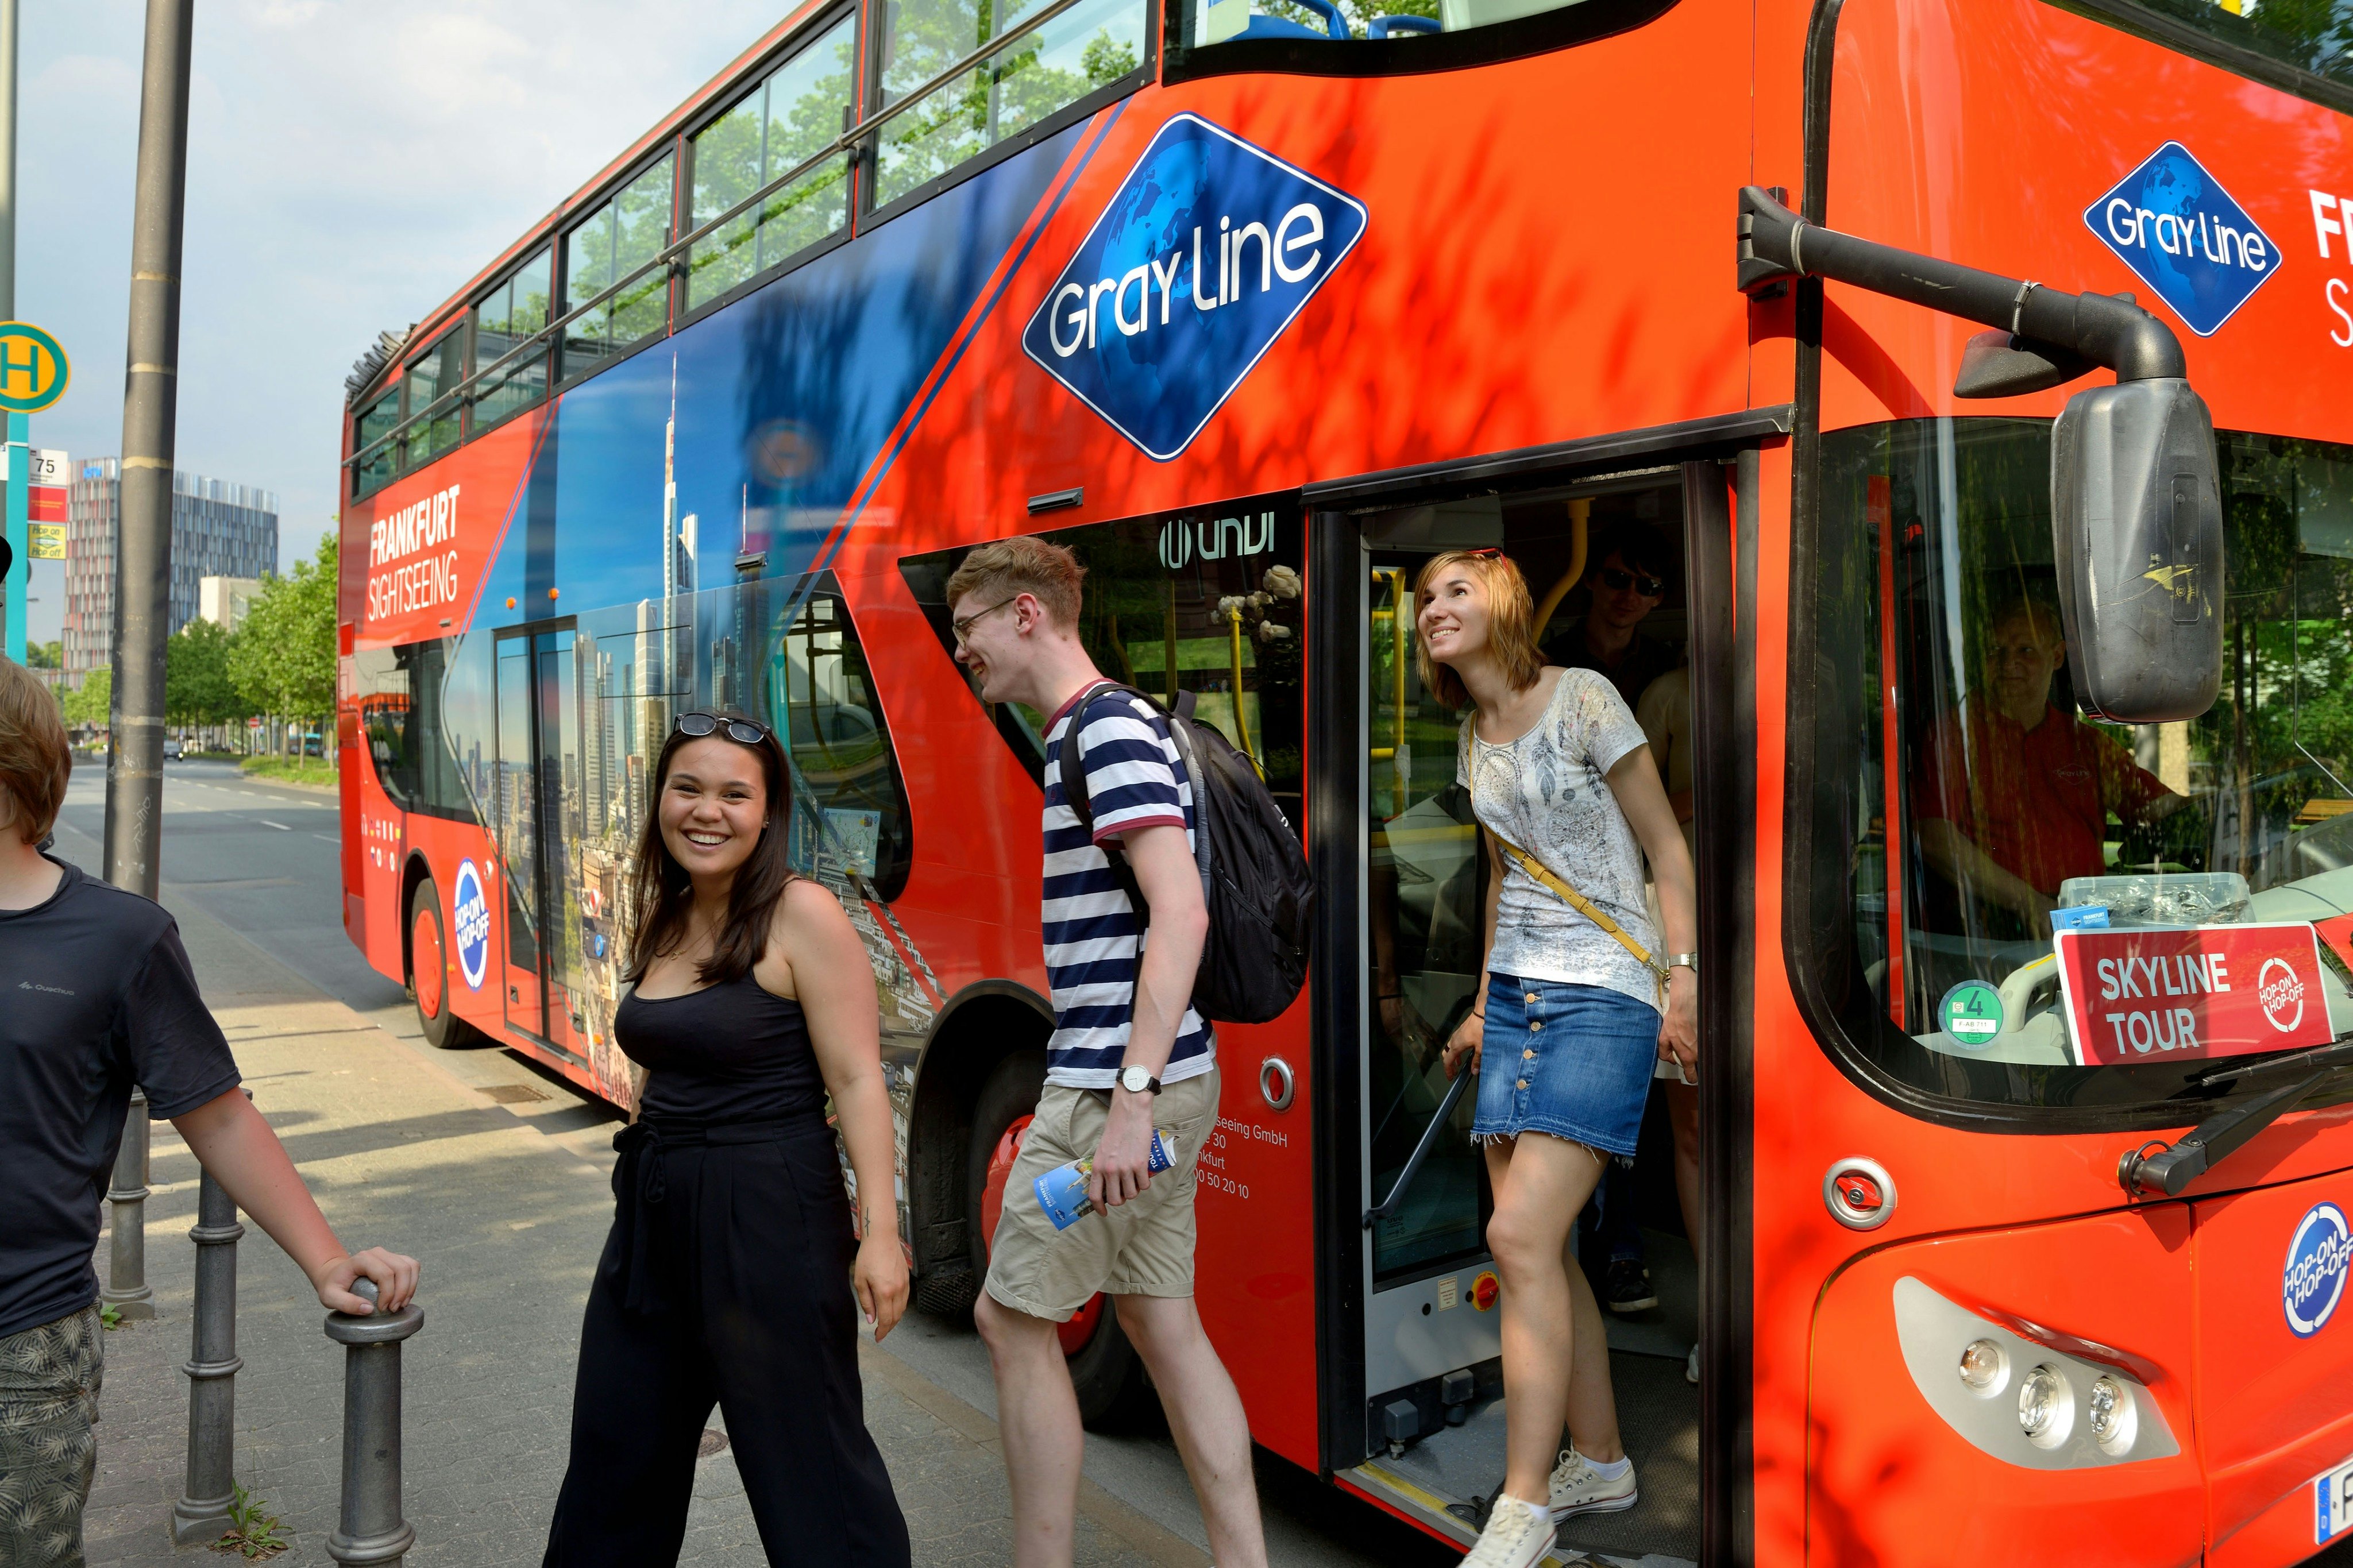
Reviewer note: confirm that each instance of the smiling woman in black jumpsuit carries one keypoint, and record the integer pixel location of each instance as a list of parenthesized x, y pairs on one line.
[(728, 1274)]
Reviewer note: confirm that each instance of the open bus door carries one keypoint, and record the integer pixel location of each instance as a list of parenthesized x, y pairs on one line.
[(538, 730), (1414, 1400)]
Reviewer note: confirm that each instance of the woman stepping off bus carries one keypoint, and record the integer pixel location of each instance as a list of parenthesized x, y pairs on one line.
[(723, 1278), (1571, 1020)]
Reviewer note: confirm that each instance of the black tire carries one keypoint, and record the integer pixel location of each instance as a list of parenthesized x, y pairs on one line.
[(443, 1029), (1106, 1372)]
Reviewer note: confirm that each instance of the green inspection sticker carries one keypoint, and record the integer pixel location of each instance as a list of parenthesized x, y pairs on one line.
[(1971, 1013)]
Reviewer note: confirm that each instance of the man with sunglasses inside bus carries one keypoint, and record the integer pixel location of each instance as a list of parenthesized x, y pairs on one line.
[(1128, 1054), (2015, 794)]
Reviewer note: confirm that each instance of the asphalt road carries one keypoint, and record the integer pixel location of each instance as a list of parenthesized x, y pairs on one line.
[(262, 859)]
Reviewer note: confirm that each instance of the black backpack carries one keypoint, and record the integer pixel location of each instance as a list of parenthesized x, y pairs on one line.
[(1254, 879)]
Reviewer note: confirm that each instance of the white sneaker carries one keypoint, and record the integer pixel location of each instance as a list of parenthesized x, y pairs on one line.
[(1690, 1366), (1518, 1534), (1576, 1487)]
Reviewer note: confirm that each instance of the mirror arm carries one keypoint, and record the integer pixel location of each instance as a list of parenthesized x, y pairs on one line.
[(1776, 245)]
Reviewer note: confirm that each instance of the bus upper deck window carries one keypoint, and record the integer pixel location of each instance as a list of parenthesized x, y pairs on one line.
[(1339, 21)]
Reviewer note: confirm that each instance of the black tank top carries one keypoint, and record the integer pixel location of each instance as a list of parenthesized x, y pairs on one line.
[(729, 1052)]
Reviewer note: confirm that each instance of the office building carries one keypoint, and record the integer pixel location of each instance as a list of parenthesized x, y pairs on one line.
[(219, 530), (225, 601)]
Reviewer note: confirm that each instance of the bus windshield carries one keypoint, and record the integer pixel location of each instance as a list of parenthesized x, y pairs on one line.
[(1987, 808)]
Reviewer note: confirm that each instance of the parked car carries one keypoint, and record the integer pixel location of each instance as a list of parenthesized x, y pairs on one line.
[(173, 750)]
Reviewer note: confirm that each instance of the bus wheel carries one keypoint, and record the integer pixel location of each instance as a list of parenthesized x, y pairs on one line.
[(428, 971), (1106, 1371)]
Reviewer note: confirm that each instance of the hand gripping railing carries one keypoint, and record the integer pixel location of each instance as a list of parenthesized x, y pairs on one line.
[(372, 1530)]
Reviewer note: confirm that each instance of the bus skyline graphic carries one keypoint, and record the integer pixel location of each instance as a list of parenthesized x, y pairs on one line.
[(1204, 256), (2184, 236)]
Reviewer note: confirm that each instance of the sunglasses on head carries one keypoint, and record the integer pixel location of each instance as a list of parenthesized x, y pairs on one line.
[(1618, 579), (743, 732)]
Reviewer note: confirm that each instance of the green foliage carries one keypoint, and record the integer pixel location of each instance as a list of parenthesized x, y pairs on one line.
[(252, 1533), (196, 685), (46, 655), (282, 659), (92, 703), (109, 1316)]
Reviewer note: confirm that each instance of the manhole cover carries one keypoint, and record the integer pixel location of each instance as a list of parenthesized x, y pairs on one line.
[(513, 1094), (713, 1443)]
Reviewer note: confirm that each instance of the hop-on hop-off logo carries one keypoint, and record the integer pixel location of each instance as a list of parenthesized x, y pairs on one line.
[(2180, 231), (2313, 1280), (472, 913), (1206, 252), (2281, 994)]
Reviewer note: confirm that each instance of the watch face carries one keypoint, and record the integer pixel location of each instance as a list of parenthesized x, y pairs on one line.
[(1135, 1079)]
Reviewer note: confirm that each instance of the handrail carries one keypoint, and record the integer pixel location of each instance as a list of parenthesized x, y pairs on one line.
[(667, 257)]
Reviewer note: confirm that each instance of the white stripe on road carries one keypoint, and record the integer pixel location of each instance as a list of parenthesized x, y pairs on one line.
[(326, 839), (267, 823)]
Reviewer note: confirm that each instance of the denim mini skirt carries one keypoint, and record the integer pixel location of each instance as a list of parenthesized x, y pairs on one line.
[(1572, 1061)]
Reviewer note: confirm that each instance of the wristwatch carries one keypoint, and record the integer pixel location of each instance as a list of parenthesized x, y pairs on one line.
[(1684, 960), (1138, 1080)]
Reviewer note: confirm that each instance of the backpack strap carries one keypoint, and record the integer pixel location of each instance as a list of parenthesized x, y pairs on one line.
[(1551, 882)]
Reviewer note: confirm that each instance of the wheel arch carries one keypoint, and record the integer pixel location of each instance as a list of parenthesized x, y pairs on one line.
[(980, 1026), (413, 871)]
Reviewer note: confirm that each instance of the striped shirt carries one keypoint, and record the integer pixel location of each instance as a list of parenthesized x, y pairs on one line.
[(1134, 778)]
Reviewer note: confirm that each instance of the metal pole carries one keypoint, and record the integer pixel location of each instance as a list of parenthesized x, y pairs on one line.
[(202, 1513), (16, 602), (372, 1530), (126, 1275), (142, 554)]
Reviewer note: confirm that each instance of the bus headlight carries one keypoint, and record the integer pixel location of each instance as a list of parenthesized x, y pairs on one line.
[(2109, 1413), (2046, 1406), (1984, 1367)]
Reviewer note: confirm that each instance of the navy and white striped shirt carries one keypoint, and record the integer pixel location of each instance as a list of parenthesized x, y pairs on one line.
[(1134, 778)]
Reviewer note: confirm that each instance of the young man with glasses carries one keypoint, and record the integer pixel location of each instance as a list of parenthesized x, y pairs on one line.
[(1128, 1054)]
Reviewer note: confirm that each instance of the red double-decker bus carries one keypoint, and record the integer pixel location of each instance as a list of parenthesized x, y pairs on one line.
[(2013, 617)]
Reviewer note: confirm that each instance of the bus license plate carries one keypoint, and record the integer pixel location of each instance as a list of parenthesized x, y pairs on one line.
[(2333, 1499)]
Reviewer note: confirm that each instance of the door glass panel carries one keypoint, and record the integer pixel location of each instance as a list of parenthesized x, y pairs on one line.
[(515, 805), (1423, 907), (560, 794)]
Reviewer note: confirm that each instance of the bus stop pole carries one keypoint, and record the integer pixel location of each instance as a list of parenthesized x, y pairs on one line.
[(142, 553), (15, 601)]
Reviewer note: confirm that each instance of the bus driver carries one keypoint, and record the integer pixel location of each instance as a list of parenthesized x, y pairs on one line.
[(2014, 795)]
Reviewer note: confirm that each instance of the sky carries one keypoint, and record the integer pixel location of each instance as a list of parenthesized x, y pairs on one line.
[(351, 163)]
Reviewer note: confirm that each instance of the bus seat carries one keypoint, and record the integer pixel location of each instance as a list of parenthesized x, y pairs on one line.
[(1458, 14), (1335, 25), (1390, 27)]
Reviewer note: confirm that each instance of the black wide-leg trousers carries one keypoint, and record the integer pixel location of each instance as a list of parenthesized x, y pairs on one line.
[(725, 1281)]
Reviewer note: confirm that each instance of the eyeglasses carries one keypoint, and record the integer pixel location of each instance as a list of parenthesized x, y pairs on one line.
[(963, 628), (1618, 579), (743, 732)]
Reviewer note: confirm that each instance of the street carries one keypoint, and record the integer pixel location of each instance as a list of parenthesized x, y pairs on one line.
[(495, 1174)]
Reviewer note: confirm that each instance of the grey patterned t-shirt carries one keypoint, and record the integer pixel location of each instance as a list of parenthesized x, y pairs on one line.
[(1546, 792)]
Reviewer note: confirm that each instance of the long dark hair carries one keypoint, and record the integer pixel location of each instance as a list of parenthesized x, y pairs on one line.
[(661, 893)]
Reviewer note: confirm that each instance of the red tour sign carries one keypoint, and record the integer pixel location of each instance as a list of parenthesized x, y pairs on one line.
[(2140, 994)]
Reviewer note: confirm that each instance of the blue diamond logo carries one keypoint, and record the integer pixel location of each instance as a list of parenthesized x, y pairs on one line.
[(1209, 250), (2180, 231)]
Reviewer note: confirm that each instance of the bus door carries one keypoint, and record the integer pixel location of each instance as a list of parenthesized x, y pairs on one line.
[(1422, 1432), (539, 836)]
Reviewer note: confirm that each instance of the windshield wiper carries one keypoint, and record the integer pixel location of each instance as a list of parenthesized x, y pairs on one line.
[(2167, 1168), (2319, 1056)]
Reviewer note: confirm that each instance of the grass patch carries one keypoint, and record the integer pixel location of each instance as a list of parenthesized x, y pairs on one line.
[(291, 770)]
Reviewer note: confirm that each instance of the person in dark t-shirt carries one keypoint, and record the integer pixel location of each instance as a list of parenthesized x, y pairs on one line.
[(96, 995), (1626, 582)]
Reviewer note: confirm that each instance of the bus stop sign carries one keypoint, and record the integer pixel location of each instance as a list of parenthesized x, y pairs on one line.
[(34, 370)]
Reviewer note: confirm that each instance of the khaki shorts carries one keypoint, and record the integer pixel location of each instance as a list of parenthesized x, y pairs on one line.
[(1143, 1248)]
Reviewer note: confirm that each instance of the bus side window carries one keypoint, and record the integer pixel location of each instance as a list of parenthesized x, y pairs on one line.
[(849, 802)]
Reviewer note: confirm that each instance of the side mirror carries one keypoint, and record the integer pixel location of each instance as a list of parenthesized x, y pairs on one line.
[(2137, 533)]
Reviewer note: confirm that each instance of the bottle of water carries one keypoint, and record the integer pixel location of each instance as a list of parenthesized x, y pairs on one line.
[(1062, 1191)]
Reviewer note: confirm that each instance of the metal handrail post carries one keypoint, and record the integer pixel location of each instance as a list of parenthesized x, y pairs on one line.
[(202, 1511), (127, 1290), (372, 1530)]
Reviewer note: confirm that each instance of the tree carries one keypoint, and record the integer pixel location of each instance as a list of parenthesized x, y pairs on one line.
[(92, 703), (196, 685), (46, 655), (282, 660)]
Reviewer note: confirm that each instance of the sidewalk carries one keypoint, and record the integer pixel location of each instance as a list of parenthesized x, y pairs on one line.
[(507, 1205)]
